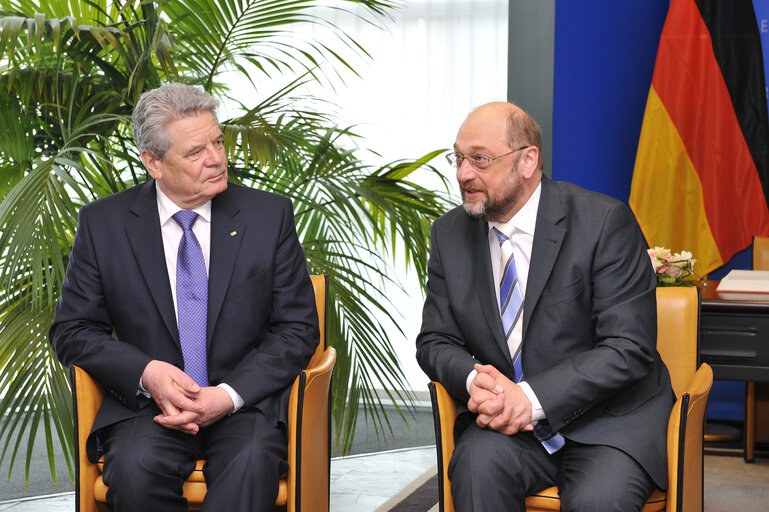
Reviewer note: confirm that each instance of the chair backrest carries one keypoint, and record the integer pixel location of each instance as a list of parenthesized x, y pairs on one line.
[(678, 329), (678, 311), (760, 253), (319, 284)]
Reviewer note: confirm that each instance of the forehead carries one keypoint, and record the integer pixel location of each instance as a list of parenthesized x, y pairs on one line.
[(482, 131), (195, 129)]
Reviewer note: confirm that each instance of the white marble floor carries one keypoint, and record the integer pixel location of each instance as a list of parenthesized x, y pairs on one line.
[(359, 483)]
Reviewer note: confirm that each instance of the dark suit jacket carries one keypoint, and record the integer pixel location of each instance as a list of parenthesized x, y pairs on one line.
[(589, 331), (116, 311)]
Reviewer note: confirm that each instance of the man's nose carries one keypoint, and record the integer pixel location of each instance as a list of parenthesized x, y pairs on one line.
[(465, 172), (214, 156)]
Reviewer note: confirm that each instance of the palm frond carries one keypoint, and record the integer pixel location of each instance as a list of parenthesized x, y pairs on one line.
[(270, 35)]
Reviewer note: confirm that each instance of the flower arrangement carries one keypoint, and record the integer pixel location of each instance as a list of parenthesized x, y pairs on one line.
[(672, 269)]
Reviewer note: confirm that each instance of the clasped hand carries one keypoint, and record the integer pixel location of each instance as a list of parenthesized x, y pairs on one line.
[(500, 403), (185, 406)]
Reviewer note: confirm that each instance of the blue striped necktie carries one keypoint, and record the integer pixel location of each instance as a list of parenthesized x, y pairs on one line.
[(511, 309), (191, 299)]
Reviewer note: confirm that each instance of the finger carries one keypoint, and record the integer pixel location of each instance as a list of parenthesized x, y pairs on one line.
[(502, 420), (183, 403), (487, 369), (190, 428), (481, 395), (182, 418), (167, 408), (508, 431), (175, 423), (492, 407), (186, 392), (187, 428), (477, 398), (485, 381), (186, 383), (482, 420)]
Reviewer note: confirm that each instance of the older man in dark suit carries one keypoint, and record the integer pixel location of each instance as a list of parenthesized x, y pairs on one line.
[(188, 300), (540, 319)]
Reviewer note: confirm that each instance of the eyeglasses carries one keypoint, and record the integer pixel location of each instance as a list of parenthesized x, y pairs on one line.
[(479, 162)]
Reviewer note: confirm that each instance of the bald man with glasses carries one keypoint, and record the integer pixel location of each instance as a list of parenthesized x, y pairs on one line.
[(540, 320)]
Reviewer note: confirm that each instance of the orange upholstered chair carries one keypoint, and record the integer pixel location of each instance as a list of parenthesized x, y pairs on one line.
[(677, 342), (305, 487)]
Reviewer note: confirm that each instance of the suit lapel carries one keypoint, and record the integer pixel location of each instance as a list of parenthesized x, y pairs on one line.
[(226, 236), (548, 237), (483, 283), (143, 232)]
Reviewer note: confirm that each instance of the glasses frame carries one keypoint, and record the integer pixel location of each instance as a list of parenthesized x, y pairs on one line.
[(457, 159)]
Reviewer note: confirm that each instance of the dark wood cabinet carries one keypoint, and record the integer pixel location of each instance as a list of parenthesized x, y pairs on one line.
[(734, 341)]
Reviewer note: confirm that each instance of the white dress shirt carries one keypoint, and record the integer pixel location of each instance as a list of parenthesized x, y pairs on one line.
[(172, 234), (521, 225)]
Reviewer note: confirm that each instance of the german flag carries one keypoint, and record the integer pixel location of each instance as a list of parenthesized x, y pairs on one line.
[(701, 173)]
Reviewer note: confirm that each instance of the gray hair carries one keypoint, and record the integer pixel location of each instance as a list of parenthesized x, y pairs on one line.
[(159, 107)]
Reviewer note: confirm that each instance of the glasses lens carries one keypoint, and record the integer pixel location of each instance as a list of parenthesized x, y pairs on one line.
[(480, 161)]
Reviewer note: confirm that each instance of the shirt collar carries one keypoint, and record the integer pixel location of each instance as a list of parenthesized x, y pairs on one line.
[(167, 208), (525, 220)]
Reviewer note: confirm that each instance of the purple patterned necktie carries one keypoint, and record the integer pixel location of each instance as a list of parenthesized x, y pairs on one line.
[(511, 308), (191, 299)]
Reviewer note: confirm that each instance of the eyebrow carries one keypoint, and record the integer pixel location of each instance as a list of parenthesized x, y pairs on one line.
[(197, 147), (194, 148)]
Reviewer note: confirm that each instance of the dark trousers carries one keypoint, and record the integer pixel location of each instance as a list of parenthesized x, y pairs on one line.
[(145, 465), (490, 471)]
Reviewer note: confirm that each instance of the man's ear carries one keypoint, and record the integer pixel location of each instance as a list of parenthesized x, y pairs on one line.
[(530, 161), (151, 162)]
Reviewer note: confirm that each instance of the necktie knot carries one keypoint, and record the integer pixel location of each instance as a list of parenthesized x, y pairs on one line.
[(501, 236), (185, 219)]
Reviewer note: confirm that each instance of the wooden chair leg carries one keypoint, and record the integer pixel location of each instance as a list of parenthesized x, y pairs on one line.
[(750, 421)]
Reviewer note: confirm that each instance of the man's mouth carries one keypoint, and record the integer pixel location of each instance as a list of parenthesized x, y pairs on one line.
[(471, 193), (217, 176)]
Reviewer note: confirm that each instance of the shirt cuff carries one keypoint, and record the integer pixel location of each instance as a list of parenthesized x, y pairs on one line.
[(470, 378), (237, 401), (537, 413), (142, 390)]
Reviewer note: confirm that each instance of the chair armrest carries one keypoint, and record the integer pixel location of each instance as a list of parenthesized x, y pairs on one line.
[(86, 397), (309, 436), (444, 414), (684, 446)]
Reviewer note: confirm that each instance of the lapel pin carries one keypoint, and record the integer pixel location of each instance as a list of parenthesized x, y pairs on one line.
[(233, 233)]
